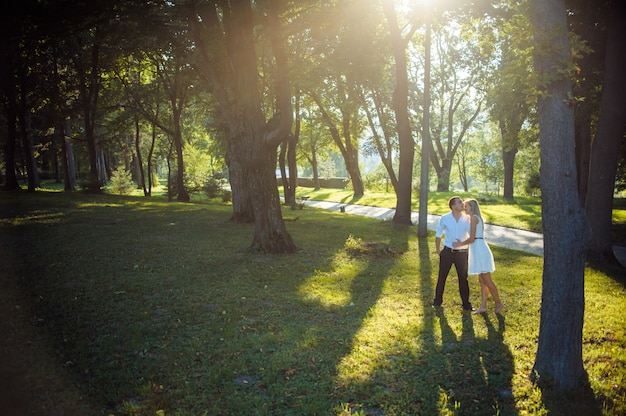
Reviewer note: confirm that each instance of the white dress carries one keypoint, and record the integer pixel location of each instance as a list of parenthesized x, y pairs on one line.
[(480, 255)]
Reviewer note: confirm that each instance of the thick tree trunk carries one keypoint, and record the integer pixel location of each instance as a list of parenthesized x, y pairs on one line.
[(242, 205), (270, 234), (443, 175), (508, 159), (252, 143), (605, 147), (67, 154), (352, 166), (583, 151), (509, 151), (558, 362)]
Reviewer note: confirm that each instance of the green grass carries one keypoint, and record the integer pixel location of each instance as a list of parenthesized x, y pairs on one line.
[(525, 213), (143, 306)]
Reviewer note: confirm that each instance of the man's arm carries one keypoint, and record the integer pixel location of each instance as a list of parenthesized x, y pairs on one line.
[(438, 245)]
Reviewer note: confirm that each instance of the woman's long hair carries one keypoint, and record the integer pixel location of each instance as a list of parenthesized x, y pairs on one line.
[(475, 208)]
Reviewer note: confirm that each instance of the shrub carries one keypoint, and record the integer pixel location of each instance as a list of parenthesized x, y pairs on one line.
[(121, 182), (212, 187), (533, 187)]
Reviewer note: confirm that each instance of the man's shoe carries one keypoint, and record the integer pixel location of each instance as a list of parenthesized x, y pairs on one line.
[(469, 308)]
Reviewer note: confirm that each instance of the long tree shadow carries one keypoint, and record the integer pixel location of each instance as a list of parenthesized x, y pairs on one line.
[(497, 360), (460, 366)]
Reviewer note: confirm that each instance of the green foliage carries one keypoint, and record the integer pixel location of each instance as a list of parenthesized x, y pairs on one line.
[(533, 184), (197, 168), (121, 181), (184, 320), (353, 245), (378, 180), (212, 187)]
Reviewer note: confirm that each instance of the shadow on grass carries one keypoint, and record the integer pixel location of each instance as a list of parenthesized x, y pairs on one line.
[(582, 402), (613, 269), (468, 375), (165, 309)]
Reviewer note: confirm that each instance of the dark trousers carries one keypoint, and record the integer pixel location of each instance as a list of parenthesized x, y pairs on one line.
[(447, 258)]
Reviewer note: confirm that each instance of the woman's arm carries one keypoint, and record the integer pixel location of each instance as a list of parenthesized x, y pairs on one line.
[(472, 237)]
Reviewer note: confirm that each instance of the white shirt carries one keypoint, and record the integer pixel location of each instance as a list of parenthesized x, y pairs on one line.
[(454, 230)]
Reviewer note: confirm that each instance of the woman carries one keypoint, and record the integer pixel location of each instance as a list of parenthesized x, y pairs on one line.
[(480, 256)]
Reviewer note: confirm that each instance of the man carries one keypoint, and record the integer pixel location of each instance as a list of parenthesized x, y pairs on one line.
[(455, 226)]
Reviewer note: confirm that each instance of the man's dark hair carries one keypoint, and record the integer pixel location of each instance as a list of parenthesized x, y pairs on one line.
[(451, 201)]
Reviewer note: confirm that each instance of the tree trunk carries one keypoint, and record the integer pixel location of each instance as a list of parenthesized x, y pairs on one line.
[(270, 234), (508, 159), (558, 362), (252, 143), (400, 105), (150, 155), (385, 149), (316, 175), (605, 147), (69, 176), (292, 161), (583, 151), (509, 151), (443, 175), (422, 224), (348, 150), (289, 192), (182, 194), (352, 166), (141, 177), (89, 88), (287, 161)]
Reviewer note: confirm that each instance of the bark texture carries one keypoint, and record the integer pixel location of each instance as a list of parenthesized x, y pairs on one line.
[(606, 144), (558, 362)]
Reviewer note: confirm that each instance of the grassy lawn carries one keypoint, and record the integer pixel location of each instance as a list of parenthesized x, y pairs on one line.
[(136, 306)]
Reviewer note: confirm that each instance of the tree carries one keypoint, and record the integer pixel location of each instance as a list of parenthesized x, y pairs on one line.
[(383, 139), (422, 225), (224, 34), (608, 137), (457, 101), (510, 95), (404, 187), (337, 63), (343, 136), (14, 90), (9, 54), (559, 351), (313, 140)]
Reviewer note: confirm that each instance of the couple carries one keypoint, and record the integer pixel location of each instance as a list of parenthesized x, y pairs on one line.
[(464, 238)]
